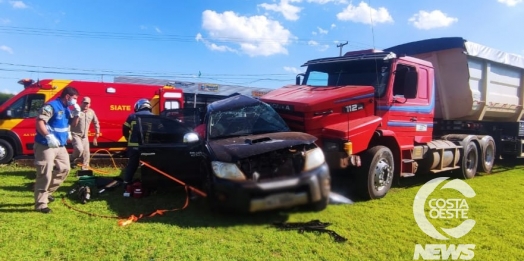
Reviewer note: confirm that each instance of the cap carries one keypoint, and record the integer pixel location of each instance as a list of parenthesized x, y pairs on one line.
[(86, 100)]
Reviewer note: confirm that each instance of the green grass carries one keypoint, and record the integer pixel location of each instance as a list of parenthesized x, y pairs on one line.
[(376, 230)]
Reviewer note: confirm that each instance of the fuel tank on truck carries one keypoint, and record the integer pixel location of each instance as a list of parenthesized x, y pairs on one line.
[(473, 82)]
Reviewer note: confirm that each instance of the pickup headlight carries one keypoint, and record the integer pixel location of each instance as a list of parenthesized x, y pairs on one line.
[(227, 170), (314, 158)]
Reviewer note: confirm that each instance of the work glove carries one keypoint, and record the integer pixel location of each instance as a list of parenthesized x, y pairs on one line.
[(69, 136), (52, 141), (76, 110), (95, 141)]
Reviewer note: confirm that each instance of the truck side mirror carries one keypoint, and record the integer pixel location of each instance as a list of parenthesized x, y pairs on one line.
[(298, 78), (411, 85)]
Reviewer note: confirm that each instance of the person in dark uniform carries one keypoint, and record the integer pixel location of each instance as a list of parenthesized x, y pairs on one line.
[(131, 132), (51, 157)]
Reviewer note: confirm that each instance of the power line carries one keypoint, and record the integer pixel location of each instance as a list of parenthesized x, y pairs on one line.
[(148, 37)]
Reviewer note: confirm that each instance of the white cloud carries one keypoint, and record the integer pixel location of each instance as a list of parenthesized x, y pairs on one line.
[(289, 11), (5, 21), (254, 35), (322, 31), (7, 91), (510, 2), (18, 4), (323, 47), (429, 20), (314, 33), (312, 43), (363, 13), (158, 30), (333, 26), (143, 27), (6, 49), (292, 69), (327, 1)]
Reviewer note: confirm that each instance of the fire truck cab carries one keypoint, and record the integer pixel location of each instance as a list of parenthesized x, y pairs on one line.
[(112, 103)]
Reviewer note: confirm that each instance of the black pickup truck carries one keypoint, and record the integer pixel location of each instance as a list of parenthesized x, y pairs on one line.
[(242, 154)]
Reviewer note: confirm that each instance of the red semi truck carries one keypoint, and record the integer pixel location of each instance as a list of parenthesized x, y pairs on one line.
[(112, 103), (428, 106)]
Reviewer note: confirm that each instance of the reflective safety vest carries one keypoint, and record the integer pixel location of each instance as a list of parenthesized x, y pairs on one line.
[(58, 124), (134, 133)]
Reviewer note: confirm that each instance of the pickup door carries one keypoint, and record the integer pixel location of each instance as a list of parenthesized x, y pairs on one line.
[(162, 145)]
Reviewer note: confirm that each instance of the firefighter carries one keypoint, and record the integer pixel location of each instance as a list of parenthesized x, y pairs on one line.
[(131, 132), (51, 157), (79, 133)]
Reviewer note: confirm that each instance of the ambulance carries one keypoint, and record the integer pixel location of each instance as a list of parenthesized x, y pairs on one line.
[(112, 103)]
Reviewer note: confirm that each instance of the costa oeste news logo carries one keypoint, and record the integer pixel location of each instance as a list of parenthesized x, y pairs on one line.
[(443, 208)]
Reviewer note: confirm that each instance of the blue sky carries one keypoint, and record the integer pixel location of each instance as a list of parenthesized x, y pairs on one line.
[(257, 43)]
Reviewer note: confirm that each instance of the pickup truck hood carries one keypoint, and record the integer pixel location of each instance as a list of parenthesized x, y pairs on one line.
[(310, 98), (236, 148)]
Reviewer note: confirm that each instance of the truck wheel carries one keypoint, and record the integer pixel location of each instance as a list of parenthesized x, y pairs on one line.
[(376, 175), (487, 158), (6, 152), (469, 160)]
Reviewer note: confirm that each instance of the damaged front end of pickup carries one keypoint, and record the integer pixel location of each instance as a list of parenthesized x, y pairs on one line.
[(246, 158)]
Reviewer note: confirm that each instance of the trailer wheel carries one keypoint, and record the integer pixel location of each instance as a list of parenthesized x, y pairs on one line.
[(376, 175), (487, 158), (469, 160), (6, 152)]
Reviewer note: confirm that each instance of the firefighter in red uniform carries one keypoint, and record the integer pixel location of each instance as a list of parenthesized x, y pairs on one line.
[(51, 157)]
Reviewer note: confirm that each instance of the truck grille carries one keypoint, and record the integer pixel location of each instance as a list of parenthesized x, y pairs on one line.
[(295, 120)]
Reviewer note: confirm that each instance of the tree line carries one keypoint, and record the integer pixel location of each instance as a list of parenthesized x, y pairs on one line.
[(4, 97)]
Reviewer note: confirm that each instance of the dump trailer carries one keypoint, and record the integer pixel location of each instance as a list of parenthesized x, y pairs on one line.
[(422, 107)]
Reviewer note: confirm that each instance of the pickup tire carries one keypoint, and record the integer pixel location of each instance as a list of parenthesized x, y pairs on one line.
[(208, 185), (376, 174), (6, 152), (469, 160)]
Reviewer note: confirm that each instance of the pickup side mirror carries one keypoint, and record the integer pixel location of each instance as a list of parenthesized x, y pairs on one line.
[(298, 78), (411, 85)]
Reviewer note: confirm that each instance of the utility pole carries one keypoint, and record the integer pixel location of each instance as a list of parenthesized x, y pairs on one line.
[(340, 46)]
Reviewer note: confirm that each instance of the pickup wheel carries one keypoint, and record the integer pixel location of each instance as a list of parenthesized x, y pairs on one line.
[(469, 160), (376, 175), (6, 152), (209, 188)]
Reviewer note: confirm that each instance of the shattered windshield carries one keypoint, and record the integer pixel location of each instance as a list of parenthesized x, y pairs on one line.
[(373, 72), (253, 119)]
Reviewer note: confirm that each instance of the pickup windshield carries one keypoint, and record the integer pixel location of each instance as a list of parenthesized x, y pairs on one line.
[(248, 120), (373, 72)]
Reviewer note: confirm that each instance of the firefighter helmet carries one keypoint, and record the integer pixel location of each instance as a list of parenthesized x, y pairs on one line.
[(142, 104)]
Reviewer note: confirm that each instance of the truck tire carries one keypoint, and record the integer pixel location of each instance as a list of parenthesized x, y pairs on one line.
[(469, 160), (6, 152), (376, 175), (488, 154)]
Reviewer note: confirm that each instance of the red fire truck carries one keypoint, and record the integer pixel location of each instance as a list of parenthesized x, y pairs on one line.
[(112, 103)]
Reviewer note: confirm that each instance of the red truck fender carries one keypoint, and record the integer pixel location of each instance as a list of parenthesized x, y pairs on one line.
[(358, 131)]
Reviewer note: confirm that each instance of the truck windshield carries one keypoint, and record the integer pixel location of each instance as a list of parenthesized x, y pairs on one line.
[(254, 119), (373, 72)]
